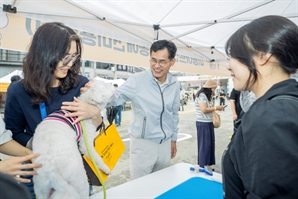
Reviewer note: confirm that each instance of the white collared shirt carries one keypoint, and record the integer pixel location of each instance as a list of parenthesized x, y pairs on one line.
[(162, 85)]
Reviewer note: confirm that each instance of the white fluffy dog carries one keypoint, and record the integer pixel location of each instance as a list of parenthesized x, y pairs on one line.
[(62, 174)]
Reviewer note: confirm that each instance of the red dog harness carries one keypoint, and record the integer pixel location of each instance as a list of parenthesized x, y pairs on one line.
[(60, 116)]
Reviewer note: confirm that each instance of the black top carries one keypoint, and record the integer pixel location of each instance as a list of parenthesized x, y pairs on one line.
[(235, 95), (222, 95), (22, 117), (261, 160)]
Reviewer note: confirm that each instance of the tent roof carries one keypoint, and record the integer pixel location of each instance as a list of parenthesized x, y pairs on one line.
[(6, 78), (198, 27)]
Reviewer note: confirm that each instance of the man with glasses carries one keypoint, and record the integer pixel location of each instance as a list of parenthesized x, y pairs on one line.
[(155, 99)]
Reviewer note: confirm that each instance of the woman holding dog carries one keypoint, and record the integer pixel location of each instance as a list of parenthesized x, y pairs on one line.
[(51, 82), (261, 160)]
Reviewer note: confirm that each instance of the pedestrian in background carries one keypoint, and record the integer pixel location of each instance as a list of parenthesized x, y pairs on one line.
[(181, 99), (193, 95), (235, 106), (222, 97), (204, 125), (119, 108), (14, 79)]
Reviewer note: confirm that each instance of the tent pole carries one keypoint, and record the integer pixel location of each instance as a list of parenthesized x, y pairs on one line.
[(13, 3), (132, 23), (219, 52), (221, 21), (200, 53), (188, 46), (170, 11)]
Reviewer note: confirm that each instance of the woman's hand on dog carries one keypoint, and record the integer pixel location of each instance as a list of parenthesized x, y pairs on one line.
[(13, 166), (82, 110), (86, 87)]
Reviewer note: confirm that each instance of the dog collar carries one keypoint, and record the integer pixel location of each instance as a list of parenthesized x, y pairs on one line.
[(60, 116)]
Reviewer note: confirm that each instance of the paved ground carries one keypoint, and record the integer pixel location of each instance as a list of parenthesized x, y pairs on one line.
[(186, 145)]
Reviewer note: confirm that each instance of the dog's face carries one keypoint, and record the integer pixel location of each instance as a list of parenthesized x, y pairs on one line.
[(99, 93)]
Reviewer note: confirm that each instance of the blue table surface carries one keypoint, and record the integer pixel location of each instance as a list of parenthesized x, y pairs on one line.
[(195, 188)]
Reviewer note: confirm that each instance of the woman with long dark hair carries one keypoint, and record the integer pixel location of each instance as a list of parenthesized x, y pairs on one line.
[(51, 82), (205, 128), (261, 160)]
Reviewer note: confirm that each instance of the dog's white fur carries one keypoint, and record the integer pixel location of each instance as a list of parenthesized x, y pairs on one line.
[(62, 166)]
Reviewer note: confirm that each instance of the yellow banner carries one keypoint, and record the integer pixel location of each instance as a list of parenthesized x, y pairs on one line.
[(3, 87)]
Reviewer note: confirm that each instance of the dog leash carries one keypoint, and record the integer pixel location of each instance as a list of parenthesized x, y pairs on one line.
[(93, 161)]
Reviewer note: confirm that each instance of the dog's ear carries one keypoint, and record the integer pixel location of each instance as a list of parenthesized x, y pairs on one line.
[(99, 93)]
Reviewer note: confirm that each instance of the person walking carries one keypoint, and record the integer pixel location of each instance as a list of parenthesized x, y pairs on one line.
[(204, 125), (181, 100), (222, 97), (155, 99), (51, 82), (261, 159), (193, 95), (236, 109), (213, 100), (235, 106), (119, 108)]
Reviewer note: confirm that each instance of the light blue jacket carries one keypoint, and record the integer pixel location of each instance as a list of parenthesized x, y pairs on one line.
[(155, 113)]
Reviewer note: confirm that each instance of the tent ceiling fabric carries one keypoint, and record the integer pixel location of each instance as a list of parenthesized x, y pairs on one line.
[(190, 24)]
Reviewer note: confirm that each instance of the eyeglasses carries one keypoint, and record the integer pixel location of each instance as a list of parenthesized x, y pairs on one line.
[(161, 63), (69, 58)]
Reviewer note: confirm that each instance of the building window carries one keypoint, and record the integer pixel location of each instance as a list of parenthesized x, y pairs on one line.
[(87, 64), (101, 65), (11, 55), (121, 68)]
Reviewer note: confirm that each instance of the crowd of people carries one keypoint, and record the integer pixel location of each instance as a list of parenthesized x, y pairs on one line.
[(262, 151)]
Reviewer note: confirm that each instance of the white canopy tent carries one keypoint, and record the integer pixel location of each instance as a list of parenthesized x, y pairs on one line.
[(119, 82), (122, 31), (5, 81), (6, 78)]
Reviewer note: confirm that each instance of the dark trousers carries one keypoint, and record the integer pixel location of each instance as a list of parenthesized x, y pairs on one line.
[(206, 143), (182, 105), (222, 101), (118, 117)]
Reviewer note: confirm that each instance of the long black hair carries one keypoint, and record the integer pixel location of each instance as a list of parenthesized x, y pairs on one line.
[(270, 34), (50, 44), (206, 91)]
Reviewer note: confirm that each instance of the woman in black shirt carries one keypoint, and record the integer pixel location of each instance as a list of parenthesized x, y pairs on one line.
[(261, 160)]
